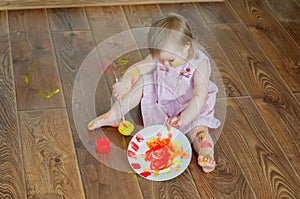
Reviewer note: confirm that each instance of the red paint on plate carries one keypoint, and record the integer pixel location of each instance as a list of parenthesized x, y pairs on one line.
[(134, 146), (131, 154), (145, 174), (139, 138), (135, 165)]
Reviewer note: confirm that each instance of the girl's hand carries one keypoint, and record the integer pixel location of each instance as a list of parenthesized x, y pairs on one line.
[(174, 121), (121, 88)]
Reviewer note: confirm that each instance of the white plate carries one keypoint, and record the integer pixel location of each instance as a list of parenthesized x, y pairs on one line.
[(167, 160)]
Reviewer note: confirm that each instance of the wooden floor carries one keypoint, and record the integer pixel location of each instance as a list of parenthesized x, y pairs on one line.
[(254, 43), (33, 4)]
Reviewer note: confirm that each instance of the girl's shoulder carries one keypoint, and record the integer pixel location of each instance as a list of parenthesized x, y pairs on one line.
[(199, 56), (198, 59)]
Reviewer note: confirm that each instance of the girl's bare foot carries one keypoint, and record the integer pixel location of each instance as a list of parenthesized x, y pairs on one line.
[(103, 120)]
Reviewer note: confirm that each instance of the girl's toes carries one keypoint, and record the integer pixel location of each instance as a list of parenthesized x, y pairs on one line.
[(92, 125), (207, 164)]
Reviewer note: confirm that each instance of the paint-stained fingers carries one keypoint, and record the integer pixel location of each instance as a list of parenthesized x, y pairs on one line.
[(173, 121)]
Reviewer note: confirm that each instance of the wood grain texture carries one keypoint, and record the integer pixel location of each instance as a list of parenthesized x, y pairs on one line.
[(272, 38), (30, 4), (71, 48), (182, 186), (298, 96), (107, 19), (33, 56), (49, 156), (285, 11), (285, 122), (263, 162), (293, 28), (139, 16), (4, 23), (272, 96), (242, 51), (228, 180), (202, 34), (67, 19), (217, 12), (12, 182)]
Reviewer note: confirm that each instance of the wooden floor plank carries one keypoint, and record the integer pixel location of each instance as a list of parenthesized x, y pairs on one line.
[(71, 48), (67, 19), (286, 123), (293, 28), (182, 186), (217, 12), (228, 180), (12, 182), (242, 50), (266, 167), (272, 38), (298, 96), (30, 4), (233, 86), (285, 11), (49, 155), (264, 84), (108, 19), (140, 16), (33, 57), (69, 57)]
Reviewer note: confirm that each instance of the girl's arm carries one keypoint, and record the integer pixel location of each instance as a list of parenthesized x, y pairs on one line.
[(198, 100), (131, 76)]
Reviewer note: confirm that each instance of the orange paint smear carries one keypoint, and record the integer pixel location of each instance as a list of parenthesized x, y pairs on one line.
[(162, 153), (123, 123)]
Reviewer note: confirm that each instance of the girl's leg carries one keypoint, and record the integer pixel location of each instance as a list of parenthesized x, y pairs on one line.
[(114, 115), (203, 145)]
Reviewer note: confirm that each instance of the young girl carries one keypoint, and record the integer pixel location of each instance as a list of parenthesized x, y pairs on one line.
[(173, 86)]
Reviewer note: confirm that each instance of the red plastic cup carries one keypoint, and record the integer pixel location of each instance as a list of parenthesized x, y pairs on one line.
[(103, 145)]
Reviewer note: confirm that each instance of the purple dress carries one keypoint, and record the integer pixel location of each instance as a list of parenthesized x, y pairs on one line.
[(167, 92)]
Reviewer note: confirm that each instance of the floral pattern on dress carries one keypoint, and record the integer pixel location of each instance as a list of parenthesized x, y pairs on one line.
[(184, 72), (164, 68)]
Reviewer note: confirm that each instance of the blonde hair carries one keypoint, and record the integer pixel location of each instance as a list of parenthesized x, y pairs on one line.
[(167, 26)]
